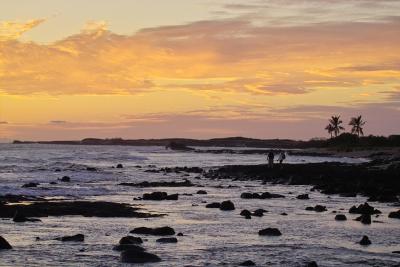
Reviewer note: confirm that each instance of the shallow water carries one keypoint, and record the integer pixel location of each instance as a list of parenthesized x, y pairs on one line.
[(212, 237)]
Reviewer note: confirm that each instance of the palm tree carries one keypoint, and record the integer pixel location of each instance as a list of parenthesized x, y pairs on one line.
[(334, 125), (357, 123), (329, 128)]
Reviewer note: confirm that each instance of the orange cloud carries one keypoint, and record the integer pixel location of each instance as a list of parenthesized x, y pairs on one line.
[(12, 30)]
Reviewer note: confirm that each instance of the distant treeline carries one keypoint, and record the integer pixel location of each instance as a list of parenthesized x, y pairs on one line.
[(343, 140)]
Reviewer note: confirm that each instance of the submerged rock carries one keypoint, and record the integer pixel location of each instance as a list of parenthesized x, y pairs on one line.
[(160, 184), (4, 243), (167, 240), (265, 195), (135, 256), (365, 241), (73, 238), (31, 184), (166, 230), (227, 205), (270, 232)]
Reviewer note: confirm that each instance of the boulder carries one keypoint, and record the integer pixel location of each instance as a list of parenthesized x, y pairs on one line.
[(364, 218), (259, 212), (4, 244), (119, 166), (340, 217), (135, 256), (365, 241), (245, 213), (167, 240), (270, 232), (394, 214), (214, 205), (73, 238), (364, 209), (303, 196), (130, 240), (247, 263), (317, 208), (65, 179), (166, 230), (122, 247), (227, 205), (158, 196)]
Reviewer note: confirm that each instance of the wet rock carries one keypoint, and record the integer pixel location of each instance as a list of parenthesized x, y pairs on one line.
[(31, 184), (247, 263), (340, 217), (4, 243), (245, 213), (227, 205), (167, 240), (265, 195), (122, 247), (166, 230), (201, 192), (364, 218), (214, 205), (135, 256), (259, 212), (66, 208), (270, 232), (91, 169), (72, 238), (179, 234), (53, 183), (19, 217), (65, 179), (284, 213), (365, 241), (303, 196), (158, 196), (130, 240), (396, 251), (364, 209), (317, 208), (185, 183), (394, 214), (119, 166), (312, 264)]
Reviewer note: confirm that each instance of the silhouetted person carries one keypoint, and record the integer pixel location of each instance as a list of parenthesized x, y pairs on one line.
[(271, 159), (282, 157)]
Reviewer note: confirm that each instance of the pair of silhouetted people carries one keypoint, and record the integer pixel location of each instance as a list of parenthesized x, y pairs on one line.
[(271, 156)]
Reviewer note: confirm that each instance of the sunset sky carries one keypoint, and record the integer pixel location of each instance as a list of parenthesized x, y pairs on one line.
[(72, 69)]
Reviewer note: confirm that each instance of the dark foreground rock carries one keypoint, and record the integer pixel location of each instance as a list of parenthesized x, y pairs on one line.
[(270, 232), (135, 256), (65, 208), (4, 243), (166, 230), (158, 196), (72, 238), (372, 179), (185, 183)]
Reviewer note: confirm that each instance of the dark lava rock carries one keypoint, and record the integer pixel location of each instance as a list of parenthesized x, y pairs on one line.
[(303, 196), (65, 179), (201, 192), (53, 182), (18, 217), (74, 238), (365, 241), (364, 218), (130, 240), (265, 195), (135, 256), (66, 208), (284, 213), (166, 230), (247, 263), (160, 184), (270, 232), (227, 205), (214, 205), (364, 209), (158, 196), (340, 217), (167, 240), (394, 214), (312, 264), (91, 169), (179, 234), (245, 213), (317, 208), (259, 212), (119, 166), (396, 251), (4, 244), (122, 247), (31, 184)]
